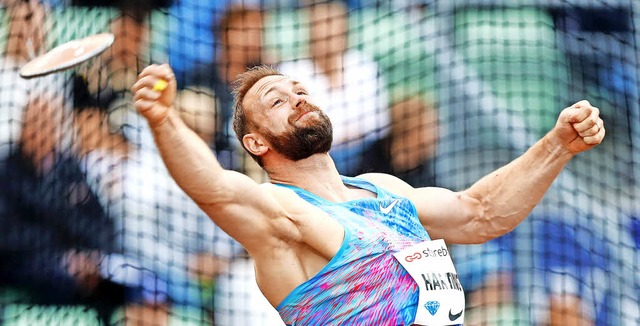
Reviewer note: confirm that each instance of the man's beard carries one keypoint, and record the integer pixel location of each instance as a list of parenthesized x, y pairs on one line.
[(302, 142)]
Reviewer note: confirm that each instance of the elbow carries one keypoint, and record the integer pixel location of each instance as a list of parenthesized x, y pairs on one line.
[(485, 225), (478, 233)]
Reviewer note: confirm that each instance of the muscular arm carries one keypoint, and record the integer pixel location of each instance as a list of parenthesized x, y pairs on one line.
[(495, 204), (237, 204), (498, 202)]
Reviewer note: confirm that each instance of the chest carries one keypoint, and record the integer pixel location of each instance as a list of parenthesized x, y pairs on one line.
[(387, 222)]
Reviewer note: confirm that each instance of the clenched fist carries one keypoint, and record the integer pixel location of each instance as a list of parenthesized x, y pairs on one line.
[(154, 93), (579, 127)]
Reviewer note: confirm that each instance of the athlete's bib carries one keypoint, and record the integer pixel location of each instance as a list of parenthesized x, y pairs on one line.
[(441, 300)]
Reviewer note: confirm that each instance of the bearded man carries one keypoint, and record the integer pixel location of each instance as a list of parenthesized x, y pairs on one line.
[(330, 249)]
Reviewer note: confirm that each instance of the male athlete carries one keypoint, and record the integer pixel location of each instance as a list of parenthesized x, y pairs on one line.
[(334, 250)]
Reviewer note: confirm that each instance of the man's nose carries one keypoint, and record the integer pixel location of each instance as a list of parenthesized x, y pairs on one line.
[(297, 100)]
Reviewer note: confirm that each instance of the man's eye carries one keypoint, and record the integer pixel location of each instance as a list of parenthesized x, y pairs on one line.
[(276, 102), (301, 93)]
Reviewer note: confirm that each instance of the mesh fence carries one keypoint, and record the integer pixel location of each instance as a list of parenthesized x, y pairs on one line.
[(94, 231)]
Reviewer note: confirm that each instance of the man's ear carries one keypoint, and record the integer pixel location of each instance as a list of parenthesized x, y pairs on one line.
[(254, 144)]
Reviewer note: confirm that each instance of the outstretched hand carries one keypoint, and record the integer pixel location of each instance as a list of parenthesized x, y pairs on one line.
[(154, 93), (579, 127)]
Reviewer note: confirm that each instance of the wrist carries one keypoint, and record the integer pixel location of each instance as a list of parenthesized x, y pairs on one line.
[(159, 122), (555, 147)]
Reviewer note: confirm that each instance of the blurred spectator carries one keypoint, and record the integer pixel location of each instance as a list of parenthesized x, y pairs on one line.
[(486, 273), (239, 34), (413, 141), (240, 301), (54, 229), (125, 5), (408, 151), (347, 87), (604, 68), (192, 39), (109, 77), (634, 229), (170, 251), (571, 265), (25, 40), (53, 222), (240, 39)]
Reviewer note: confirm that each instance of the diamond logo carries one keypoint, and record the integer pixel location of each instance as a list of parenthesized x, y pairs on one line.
[(432, 307)]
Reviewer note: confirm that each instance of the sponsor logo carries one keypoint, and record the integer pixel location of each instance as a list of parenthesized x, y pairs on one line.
[(453, 317), (432, 307), (387, 209), (413, 257), (442, 252)]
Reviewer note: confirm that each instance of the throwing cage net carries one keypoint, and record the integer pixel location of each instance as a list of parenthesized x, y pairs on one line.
[(95, 232)]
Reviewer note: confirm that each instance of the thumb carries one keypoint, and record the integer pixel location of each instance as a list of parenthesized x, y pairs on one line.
[(579, 111)]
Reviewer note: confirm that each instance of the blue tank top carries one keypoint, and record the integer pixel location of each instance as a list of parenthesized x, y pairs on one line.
[(363, 284)]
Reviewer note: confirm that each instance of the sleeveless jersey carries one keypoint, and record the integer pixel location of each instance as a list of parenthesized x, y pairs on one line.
[(363, 284)]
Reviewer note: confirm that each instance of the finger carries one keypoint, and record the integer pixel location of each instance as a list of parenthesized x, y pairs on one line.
[(139, 84), (576, 115), (581, 104), (589, 132), (595, 139), (147, 94), (589, 121), (143, 105), (163, 71), (145, 82), (167, 72), (149, 70)]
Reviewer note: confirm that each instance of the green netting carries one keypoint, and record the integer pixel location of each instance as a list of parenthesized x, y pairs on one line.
[(439, 93), (406, 59), (286, 34), (73, 23), (34, 315), (507, 45), (4, 28)]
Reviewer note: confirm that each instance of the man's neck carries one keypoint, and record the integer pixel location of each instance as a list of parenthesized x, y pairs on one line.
[(316, 174)]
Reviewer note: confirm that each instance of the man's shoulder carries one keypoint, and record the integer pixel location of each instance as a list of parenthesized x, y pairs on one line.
[(277, 190), (388, 182), (378, 178)]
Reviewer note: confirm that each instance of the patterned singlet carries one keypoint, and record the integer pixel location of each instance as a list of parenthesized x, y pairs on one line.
[(363, 284)]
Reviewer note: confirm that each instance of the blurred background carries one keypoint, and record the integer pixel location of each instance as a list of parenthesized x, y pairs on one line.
[(93, 231)]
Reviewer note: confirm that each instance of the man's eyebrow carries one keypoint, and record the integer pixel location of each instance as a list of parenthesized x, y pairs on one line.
[(273, 88)]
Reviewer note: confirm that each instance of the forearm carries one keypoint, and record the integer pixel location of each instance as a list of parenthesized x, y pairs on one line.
[(505, 197), (188, 159)]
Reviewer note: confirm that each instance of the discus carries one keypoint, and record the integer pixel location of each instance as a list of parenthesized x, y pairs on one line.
[(67, 55)]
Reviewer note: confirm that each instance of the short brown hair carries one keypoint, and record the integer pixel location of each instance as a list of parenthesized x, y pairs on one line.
[(241, 85)]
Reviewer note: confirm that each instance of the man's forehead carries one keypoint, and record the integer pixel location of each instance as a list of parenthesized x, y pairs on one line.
[(262, 86)]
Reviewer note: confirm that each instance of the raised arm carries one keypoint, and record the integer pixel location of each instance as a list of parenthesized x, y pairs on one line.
[(237, 204), (498, 202)]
